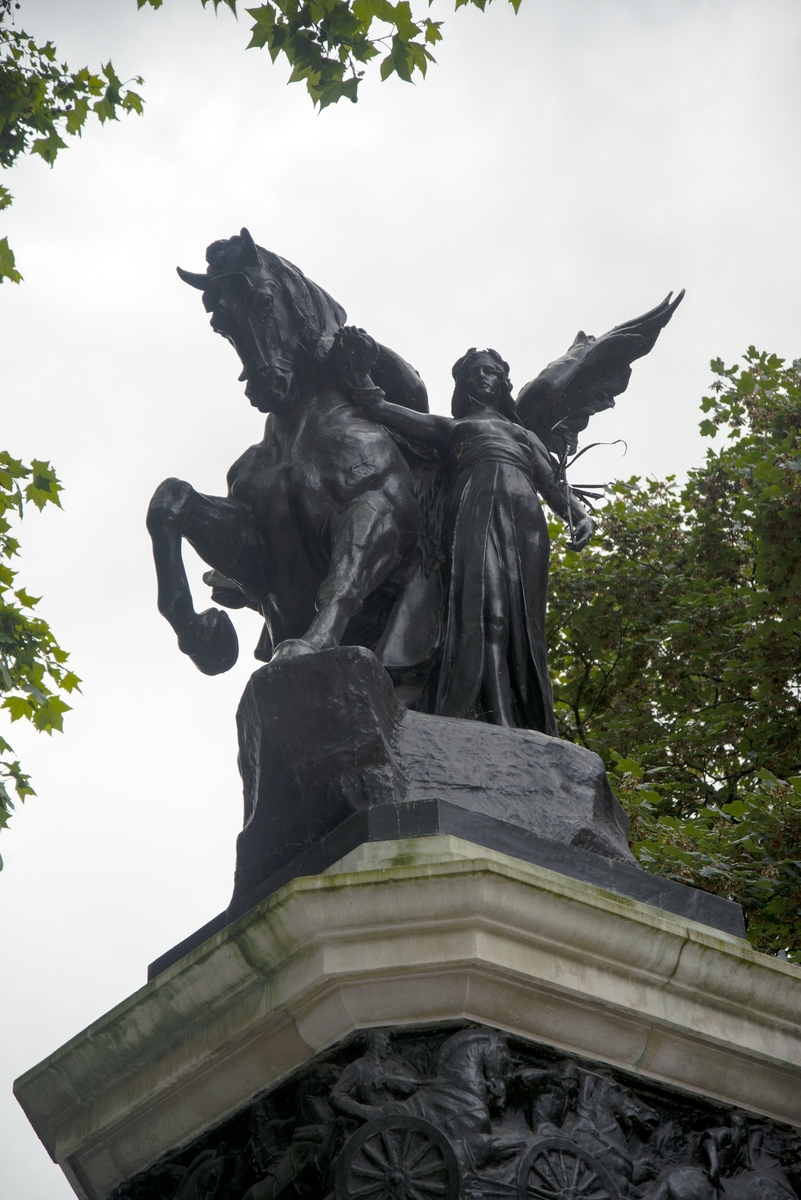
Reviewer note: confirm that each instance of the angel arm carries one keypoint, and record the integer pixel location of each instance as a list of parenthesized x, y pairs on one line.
[(559, 403), (369, 373), (573, 513), (426, 429), (560, 498)]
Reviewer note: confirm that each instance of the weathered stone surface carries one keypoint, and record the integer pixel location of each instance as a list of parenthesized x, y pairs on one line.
[(323, 737), (412, 934), (552, 788)]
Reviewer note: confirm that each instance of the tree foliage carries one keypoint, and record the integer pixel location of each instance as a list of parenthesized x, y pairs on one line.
[(42, 101), (328, 43), (33, 674), (676, 649)]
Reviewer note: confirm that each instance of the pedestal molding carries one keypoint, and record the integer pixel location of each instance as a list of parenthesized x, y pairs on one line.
[(415, 934)]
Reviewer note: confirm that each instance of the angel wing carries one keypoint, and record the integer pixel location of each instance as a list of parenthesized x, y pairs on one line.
[(558, 404)]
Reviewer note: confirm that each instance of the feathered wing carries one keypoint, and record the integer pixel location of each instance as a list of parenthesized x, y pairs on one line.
[(558, 404)]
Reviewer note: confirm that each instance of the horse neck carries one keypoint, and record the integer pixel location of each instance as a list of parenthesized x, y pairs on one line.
[(600, 1113), (315, 395), (465, 1065)]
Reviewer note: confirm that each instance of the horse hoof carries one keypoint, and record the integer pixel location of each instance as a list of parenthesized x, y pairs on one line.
[(211, 642), (292, 648)]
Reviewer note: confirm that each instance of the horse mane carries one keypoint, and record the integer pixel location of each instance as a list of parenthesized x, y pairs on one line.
[(318, 315)]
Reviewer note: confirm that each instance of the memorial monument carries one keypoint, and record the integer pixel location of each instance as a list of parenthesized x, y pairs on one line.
[(442, 974)]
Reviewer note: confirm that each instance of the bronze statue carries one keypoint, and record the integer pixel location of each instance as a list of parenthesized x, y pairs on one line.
[(363, 519), (319, 529), (492, 662)]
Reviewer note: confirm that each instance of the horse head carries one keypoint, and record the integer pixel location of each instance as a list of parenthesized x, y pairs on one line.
[(480, 1060), (276, 319), (602, 1099)]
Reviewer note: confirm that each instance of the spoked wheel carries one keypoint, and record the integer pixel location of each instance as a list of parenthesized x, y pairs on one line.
[(397, 1158), (558, 1169)]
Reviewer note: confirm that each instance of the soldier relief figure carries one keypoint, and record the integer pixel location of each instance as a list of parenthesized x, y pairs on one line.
[(363, 519), (465, 1115)]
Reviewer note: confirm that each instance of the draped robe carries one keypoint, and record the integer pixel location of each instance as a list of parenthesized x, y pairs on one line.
[(491, 508)]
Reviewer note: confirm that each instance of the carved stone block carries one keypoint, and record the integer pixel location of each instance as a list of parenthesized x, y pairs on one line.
[(330, 759), (323, 738)]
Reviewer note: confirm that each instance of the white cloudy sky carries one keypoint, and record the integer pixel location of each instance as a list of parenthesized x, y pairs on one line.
[(565, 168)]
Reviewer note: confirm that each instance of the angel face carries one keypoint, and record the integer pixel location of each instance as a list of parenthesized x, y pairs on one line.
[(484, 380)]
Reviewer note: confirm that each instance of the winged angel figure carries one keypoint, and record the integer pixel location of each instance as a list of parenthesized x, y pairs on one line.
[(498, 456)]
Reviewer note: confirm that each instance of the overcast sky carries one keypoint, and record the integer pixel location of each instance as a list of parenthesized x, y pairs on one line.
[(562, 169)]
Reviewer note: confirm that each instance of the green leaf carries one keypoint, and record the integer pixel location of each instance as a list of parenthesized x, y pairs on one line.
[(406, 27), (8, 269), (19, 707), (48, 147), (432, 29), (76, 119), (25, 600), (33, 680), (45, 487)]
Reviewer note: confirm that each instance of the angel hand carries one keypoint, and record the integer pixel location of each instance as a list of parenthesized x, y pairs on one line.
[(360, 348), (583, 530)]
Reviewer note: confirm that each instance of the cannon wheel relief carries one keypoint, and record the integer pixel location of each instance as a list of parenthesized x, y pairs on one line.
[(558, 1169), (397, 1158)]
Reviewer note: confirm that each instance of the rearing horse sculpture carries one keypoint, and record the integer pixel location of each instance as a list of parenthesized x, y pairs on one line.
[(320, 527)]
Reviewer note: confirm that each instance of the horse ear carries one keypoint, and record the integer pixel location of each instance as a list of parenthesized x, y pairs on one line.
[(201, 282), (250, 255)]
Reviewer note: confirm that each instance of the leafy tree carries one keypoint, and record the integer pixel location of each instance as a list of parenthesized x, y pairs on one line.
[(41, 100), (33, 674), (328, 43), (676, 648)]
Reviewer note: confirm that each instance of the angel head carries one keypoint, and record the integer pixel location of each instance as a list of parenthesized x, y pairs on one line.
[(482, 378)]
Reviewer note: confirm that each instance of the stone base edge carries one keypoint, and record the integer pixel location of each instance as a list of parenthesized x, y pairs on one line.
[(410, 934), (430, 818)]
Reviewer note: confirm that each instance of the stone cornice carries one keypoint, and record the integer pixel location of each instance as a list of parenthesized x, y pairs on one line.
[(408, 933)]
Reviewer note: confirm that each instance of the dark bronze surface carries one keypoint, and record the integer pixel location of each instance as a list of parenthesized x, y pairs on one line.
[(471, 1114), (363, 519)]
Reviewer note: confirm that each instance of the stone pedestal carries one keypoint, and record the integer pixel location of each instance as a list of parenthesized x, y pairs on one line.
[(330, 760), (429, 934), (323, 739)]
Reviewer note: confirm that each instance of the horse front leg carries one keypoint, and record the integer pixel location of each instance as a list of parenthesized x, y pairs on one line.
[(366, 547), (208, 637)]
